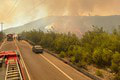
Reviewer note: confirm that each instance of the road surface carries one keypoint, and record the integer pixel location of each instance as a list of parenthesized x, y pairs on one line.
[(43, 66)]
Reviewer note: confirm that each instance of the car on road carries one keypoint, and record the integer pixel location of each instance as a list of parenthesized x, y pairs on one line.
[(37, 49), (10, 37), (20, 37)]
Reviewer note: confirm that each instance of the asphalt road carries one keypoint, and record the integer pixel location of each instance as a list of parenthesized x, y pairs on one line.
[(44, 66)]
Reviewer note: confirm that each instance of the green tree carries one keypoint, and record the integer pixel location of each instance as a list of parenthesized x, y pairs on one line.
[(107, 57), (97, 57), (99, 73), (116, 62)]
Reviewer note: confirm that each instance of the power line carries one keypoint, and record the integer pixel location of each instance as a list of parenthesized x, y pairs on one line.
[(33, 3), (34, 6), (16, 4), (12, 9)]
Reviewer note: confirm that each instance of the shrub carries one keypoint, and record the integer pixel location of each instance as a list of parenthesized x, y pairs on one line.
[(72, 59), (82, 64), (116, 63), (69, 53), (99, 73), (97, 57), (62, 54)]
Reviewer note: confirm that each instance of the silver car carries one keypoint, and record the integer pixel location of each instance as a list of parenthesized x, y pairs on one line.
[(37, 49)]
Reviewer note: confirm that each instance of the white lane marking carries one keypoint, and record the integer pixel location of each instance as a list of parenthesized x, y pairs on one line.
[(51, 63), (57, 67), (22, 60), (2, 44)]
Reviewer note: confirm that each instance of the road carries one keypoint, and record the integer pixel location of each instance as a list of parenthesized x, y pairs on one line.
[(43, 66)]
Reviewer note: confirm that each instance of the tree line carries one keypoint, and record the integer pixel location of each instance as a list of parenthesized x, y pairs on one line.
[(96, 47)]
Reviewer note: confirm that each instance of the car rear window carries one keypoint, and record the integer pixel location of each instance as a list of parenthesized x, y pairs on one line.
[(38, 47)]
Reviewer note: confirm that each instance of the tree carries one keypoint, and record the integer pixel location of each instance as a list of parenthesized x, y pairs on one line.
[(116, 62), (97, 57), (115, 32), (107, 57)]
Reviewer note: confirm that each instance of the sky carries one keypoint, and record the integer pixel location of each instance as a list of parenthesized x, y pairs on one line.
[(18, 12)]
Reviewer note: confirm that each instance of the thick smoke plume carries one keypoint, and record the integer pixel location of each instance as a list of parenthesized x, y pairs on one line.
[(28, 10), (83, 7)]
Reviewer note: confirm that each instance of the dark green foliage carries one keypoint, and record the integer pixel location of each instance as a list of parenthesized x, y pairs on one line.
[(97, 57), (99, 73), (107, 57), (116, 63), (95, 47), (62, 54), (72, 59)]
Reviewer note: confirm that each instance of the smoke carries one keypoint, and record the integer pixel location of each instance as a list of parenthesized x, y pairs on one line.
[(83, 7), (29, 10), (4, 11)]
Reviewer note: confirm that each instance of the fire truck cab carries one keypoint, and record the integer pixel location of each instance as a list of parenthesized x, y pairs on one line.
[(13, 65)]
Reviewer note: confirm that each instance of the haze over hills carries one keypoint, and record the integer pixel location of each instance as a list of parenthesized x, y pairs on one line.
[(74, 24)]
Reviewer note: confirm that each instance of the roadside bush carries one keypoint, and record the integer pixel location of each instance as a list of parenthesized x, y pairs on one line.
[(107, 57), (116, 62), (70, 53), (99, 73), (72, 59), (81, 64), (62, 54), (114, 67), (97, 57)]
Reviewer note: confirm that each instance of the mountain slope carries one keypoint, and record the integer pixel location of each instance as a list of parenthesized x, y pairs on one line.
[(75, 24)]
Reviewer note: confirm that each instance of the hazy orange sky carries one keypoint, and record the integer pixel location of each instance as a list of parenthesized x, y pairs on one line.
[(18, 12)]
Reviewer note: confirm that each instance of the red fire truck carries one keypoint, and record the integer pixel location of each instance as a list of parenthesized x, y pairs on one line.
[(14, 69)]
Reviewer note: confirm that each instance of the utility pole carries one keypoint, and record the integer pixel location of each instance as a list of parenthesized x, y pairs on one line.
[(1, 26)]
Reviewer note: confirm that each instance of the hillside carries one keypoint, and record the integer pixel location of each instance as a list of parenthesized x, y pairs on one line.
[(75, 24)]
